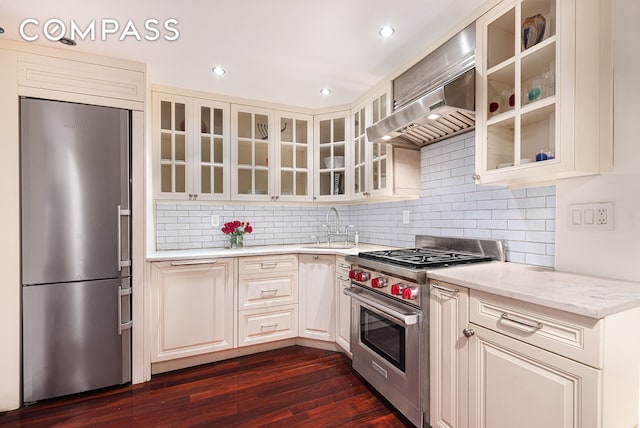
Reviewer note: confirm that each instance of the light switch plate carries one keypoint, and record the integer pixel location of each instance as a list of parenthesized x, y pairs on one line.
[(593, 216), (405, 216), (215, 220)]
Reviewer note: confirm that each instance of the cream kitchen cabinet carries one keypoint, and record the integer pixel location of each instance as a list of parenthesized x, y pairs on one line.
[(449, 355), (271, 165), (267, 298), (527, 365), (332, 157), (317, 297), (543, 110), (192, 304), (343, 305), (191, 148)]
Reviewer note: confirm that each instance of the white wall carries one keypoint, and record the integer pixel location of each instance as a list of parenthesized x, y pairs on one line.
[(611, 253)]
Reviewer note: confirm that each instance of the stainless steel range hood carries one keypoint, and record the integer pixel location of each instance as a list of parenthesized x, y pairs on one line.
[(435, 98)]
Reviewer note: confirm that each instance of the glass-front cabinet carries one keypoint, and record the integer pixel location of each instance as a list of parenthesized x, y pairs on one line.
[(293, 176), (332, 180), (528, 55), (191, 156)]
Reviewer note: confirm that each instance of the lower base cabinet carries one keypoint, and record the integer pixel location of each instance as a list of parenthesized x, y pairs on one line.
[(317, 297), (193, 308), (343, 305), (268, 324)]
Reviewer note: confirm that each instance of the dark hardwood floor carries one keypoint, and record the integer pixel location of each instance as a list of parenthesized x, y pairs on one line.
[(289, 387)]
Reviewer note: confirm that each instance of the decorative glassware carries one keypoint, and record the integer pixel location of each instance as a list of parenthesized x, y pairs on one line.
[(236, 241)]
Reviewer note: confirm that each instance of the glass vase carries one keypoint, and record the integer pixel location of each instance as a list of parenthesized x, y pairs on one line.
[(236, 241)]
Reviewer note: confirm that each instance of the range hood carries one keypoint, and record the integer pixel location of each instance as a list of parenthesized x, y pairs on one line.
[(434, 99)]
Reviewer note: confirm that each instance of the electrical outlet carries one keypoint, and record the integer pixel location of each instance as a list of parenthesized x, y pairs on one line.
[(215, 220), (405, 216), (595, 216)]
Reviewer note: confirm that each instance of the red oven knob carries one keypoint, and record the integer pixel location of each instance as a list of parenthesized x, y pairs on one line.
[(396, 289), (362, 276), (409, 293), (379, 282), (352, 274)]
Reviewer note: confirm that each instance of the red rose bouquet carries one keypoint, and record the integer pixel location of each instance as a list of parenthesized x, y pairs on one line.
[(236, 229)]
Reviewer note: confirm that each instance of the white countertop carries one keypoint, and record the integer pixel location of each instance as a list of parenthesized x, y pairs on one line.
[(205, 253), (579, 294)]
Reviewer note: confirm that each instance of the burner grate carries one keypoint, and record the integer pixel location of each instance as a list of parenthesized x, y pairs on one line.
[(424, 257)]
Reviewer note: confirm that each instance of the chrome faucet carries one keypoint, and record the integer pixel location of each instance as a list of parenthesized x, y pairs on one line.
[(336, 231)]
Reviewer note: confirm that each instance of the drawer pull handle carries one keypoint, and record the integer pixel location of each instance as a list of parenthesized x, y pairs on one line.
[(343, 278), (274, 325), (344, 266), (193, 262), (270, 265), (445, 289), (272, 292), (468, 332), (534, 325)]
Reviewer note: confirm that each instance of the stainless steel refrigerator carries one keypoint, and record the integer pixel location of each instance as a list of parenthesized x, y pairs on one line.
[(75, 230)]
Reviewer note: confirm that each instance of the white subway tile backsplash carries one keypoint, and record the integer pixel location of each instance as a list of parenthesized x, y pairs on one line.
[(450, 205)]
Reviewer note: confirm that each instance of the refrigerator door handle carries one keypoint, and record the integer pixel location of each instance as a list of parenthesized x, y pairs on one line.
[(121, 263), (127, 325)]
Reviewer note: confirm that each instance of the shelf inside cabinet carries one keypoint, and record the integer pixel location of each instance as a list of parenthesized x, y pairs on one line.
[(501, 39), (500, 143)]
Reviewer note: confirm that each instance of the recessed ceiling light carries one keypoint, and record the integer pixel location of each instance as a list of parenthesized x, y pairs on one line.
[(219, 70), (433, 116), (386, 31), (67, 41), (325, 91), (386, 137)]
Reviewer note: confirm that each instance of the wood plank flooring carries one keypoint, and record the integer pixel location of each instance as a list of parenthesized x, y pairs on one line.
[(289, 387)]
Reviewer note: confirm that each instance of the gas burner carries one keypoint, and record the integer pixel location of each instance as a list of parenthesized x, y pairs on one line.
[(420, 258)]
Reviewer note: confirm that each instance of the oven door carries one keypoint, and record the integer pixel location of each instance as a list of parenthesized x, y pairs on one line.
[(386, 343)]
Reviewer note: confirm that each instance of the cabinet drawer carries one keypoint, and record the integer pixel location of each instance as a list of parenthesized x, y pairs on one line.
[(570, 335), (342, 266), (262, 264), (267, 290), (266, 325)]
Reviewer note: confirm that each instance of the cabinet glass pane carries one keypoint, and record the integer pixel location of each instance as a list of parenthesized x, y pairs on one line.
[(338, 150), (301, 183), (244, 125), (358, 185), (537, 135), (262, 182), (383, 174), (205, 177), (180, 124), (339, 130), (165, 178), (217, 180), (376, 175), (301, 157), (218, 150), (245, 153), (181, 178), (217, 121), (338, 183), (533, 13), (245, 186), (325, 183), (538, 74), (501, 35), (325, 157), (205, 149), (165, 146), (181, 148), (262, 127), (325, 131), (301, 131), (205, 120), (383, 106), (262, 154), (286, 130), (286, 156), (501, 94), (286, 182), (165, 115), (375, 112), (500, 144)]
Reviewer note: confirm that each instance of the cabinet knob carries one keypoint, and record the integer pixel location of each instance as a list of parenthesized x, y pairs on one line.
[(468, 332), (476, 178)]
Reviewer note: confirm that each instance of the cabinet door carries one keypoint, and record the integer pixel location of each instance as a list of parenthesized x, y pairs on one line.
[(171, 135), (358, 149), (251, 148), (332, 167), (380, 174), (513, 384), (343, 318), (293, 174), (317, 296), (193, 308), (211, 155), (449, 355)]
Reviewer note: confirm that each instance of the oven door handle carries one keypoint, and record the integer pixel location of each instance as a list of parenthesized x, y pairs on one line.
[(404, 318)]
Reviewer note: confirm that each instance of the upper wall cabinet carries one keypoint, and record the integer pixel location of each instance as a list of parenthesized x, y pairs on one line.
[(272, 155), (191, 148), (543, 97), (332, 161)]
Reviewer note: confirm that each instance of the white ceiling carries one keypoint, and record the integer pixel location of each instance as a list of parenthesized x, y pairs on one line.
[(281, 51)]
